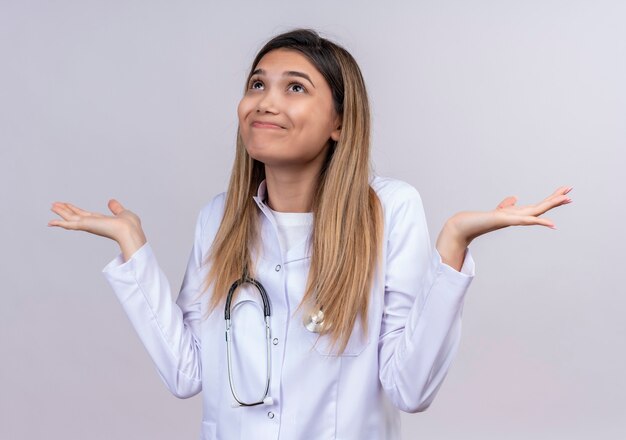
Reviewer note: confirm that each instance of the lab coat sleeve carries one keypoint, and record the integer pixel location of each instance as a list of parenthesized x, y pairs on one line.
[(170, 331), (421, 325)]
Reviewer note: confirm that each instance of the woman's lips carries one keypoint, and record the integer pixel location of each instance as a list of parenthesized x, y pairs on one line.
[(265, 125)]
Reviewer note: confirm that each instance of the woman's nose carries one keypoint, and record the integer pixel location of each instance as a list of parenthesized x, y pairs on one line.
[(267, 103)]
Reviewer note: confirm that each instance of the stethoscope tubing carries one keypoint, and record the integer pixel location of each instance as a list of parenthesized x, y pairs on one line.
[(268, 337)]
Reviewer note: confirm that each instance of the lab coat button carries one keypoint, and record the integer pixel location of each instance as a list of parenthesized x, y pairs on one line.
[(270, 415), (277, 268), (275, 341)]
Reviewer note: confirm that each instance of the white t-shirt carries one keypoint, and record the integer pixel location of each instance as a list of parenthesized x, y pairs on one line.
[(293, 228)]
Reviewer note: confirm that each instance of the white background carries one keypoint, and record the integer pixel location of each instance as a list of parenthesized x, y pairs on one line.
[(472, 101)]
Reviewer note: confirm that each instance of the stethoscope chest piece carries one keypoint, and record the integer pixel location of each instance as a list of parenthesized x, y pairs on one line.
[(314, 322)]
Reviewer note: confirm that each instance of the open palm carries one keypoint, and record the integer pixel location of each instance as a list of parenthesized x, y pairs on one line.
[(110, 226), (471, 224)]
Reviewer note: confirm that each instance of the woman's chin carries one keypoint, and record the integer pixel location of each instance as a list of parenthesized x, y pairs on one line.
[(273, 161), (264, 155)]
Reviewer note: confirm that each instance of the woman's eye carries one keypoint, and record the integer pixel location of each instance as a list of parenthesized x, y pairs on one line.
[(298, 85)]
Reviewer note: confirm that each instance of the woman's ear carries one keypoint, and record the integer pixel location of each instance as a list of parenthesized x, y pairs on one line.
[(334, 135)]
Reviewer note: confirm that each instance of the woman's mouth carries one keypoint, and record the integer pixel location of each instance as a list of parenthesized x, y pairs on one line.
[(265, 125)]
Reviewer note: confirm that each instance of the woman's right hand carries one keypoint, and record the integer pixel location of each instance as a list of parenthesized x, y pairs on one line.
[(124, 226)]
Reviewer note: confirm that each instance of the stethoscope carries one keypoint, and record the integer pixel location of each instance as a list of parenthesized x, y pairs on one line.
[(313, 323)]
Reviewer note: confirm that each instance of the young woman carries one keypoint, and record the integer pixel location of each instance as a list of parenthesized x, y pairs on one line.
[(313, 305)]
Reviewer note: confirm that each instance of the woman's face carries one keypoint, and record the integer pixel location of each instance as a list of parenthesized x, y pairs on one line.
[(287, 91)]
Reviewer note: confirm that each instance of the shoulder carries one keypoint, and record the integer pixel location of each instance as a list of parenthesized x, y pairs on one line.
[(403, 209), (210, 215), (393, 192)]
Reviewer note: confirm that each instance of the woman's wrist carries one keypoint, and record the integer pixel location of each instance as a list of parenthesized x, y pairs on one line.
[(130, 241), (451, 246)]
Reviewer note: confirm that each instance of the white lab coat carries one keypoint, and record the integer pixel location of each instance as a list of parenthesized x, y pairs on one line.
[(414, 318)]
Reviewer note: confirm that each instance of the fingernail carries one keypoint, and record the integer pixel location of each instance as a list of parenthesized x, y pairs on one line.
[(553, 227)]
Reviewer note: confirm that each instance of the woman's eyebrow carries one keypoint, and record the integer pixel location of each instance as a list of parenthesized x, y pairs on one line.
[(287, 73)]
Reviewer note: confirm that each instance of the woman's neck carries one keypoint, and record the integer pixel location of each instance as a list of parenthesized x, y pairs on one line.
[(290, 190)]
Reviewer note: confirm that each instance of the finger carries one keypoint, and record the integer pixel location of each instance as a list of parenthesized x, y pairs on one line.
[(63, 224), (559, 193), (77, 210), (555, 195), (553, 202), (530, 220), (64, 212), (509, 201), (115, 206), (560, 190), (547, 204)]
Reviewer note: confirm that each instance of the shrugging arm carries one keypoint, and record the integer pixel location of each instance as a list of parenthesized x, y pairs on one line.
[(170, 331), (424, 298)]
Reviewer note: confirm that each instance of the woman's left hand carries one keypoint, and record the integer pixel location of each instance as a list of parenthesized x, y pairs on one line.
[(467, 225), (463, 227)]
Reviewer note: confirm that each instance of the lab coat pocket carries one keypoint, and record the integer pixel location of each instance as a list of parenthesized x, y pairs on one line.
[(356, 344), (297, 269), (208, 431)]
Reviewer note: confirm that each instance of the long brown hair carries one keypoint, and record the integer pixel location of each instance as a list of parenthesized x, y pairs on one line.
[(347, 228)]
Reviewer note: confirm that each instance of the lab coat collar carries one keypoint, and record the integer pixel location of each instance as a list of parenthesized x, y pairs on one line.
[(269, 232), (261, 194), (269, 228)]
